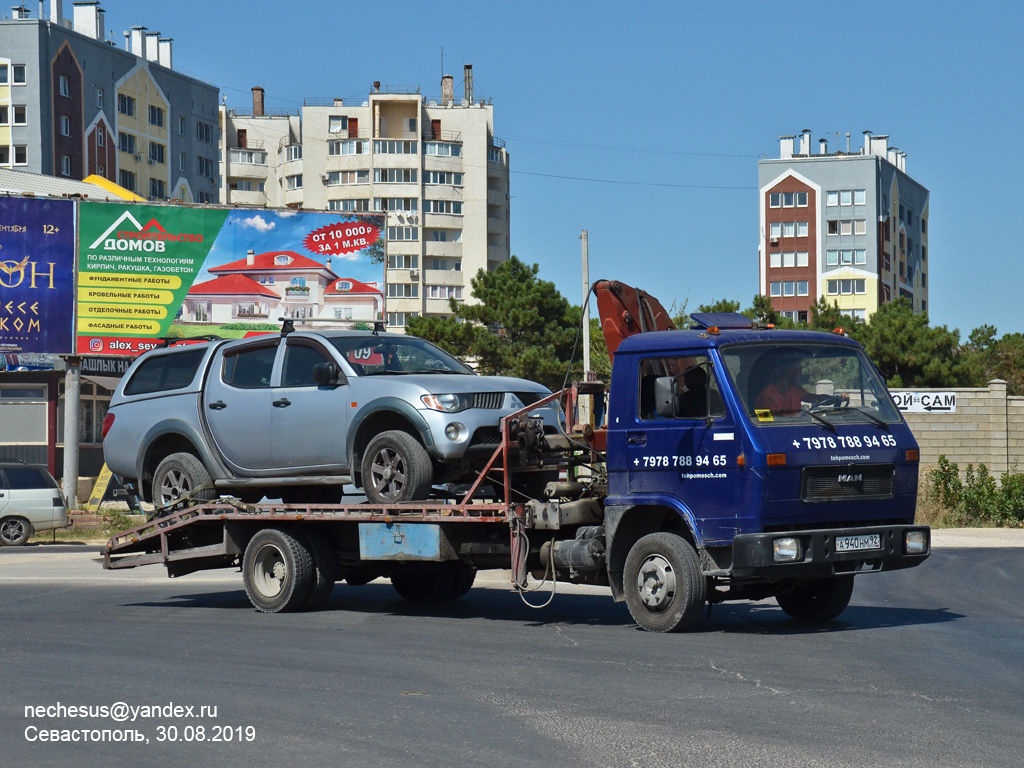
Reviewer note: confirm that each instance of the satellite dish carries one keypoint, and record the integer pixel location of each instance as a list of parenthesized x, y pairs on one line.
[(465, 103), (432, 104)]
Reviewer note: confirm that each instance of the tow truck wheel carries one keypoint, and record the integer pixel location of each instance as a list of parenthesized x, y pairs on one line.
[(425, 582), (325, 566), (464, 578), (177, 476), (278, 571), (820, 600), (396, 468), (665, 590)]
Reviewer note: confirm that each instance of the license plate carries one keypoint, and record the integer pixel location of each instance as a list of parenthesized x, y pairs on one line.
[(858, 543)]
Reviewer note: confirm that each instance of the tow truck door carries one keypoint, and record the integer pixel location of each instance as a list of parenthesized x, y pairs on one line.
[(689, 449)]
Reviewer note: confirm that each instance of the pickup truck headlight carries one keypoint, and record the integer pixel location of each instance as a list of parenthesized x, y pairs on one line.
[(447, 403)]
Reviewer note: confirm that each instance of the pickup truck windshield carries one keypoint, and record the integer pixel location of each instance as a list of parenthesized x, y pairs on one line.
[(788, 383), (372, 355)]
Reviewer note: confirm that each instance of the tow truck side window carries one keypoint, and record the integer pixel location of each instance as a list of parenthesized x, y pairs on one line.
[(682, 387)]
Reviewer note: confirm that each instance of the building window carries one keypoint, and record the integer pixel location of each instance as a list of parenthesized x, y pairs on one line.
[(395, 204), (337, 124), (403, 233), (775, 230), (395, 147), (204, 197), (444, 291), (99, 98), (247, 157), (181, 126), (349, 206), (204, 132), (446, 235), (65, 165), (442, 177), (402, 260), (399, 319), (182, 163), (443, 206), (156, 153), (446, 265), (442, 149), (775, 288), (4, 75), (395, 175), (334, 178), (294, 182), (204, 167), (65, 85), (156, 116), (801, 229), (125, 104), (101, 170), (65, 125), (403, 291), (775, 260), (293, 152), (101, 136), (126, 179), (156, 189), (18, 73), (844, 287), (336, 148), (126, 142), (860, 256), (20, 114)]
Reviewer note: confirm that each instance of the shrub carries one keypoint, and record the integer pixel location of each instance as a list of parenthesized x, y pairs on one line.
[(977, 499)]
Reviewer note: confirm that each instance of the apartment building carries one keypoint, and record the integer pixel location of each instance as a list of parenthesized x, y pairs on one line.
[(435, 167), (73, 103), (849, 226)]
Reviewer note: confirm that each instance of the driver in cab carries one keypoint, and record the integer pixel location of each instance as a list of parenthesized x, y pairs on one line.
[(784, 392)]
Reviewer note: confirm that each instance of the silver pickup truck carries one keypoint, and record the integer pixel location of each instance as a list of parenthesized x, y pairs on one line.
[(296, 415)]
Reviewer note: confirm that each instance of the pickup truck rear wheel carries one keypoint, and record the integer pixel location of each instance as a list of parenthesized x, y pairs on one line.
[(177, 476), (396, 468), (665, 590), (820, 600), (278, 571)]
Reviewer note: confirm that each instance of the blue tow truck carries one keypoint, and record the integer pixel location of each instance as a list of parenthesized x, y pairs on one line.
[(736, 463)]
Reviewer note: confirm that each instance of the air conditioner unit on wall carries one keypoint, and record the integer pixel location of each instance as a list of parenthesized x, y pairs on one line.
[(775, 242), (414, 274)]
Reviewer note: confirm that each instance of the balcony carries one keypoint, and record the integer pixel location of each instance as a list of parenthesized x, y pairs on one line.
[(297, 291)]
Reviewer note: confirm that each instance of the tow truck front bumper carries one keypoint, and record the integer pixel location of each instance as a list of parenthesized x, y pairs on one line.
[(826, 552)]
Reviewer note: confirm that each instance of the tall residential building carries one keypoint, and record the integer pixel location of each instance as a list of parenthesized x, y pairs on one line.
[(73, 104), (435, 167), (851, 227)]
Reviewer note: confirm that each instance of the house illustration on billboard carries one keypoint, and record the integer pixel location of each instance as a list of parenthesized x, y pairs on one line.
[(262, 287)]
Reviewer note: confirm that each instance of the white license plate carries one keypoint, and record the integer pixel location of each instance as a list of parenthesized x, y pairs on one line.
[(858, 543)]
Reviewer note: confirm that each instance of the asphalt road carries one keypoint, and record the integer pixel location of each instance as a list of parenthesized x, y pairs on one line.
[(924, 669)]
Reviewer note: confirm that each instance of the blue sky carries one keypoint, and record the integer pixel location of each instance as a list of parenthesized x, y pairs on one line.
[(643, 122)]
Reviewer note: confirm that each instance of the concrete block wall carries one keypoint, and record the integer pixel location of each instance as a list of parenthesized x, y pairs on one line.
[(987, 428)]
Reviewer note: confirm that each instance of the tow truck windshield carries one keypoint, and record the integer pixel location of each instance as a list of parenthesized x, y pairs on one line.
[(789, 383)]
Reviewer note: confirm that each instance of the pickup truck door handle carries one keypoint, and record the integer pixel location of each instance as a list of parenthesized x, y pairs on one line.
[(638, 439), (284, 402), (218, 405)]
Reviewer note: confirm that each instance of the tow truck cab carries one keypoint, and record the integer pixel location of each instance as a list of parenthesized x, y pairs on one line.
[(707, 433)]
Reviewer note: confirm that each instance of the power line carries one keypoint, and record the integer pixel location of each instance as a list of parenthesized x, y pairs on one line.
[(632, 183), (620, 148)]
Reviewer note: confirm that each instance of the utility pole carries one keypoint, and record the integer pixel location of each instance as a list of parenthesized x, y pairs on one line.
[(72, 399), (585, 413)]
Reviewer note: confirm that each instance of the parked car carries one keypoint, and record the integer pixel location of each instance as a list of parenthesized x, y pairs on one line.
[(296, 415), (30, 501)]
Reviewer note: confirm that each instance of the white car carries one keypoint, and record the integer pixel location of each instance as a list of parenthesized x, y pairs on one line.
[(30, 501)]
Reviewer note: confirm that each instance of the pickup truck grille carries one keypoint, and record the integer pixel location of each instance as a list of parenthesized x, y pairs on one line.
[(529, 398), (846, 483), (492, 400)]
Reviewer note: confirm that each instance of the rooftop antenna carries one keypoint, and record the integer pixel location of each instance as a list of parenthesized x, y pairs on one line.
[(442, 61)]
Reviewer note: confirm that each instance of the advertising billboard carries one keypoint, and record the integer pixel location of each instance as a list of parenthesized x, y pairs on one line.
[(151, 272), (37, 258)]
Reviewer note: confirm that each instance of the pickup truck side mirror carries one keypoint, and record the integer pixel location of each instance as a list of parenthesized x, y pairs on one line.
[(328, 374)]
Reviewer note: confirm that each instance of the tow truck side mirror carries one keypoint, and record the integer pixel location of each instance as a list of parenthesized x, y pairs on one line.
[(328, 374)]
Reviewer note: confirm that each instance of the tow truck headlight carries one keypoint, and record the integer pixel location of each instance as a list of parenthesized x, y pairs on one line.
[(915, 543), (446, 403), (787, 550)]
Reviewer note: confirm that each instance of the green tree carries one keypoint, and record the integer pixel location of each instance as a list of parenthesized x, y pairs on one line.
[(720, 305), (909, 352), (522, 326)]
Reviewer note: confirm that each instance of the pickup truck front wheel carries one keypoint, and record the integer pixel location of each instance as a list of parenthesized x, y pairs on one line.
[(820, 600), (177, 476), (396, 468), (665, 589)]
